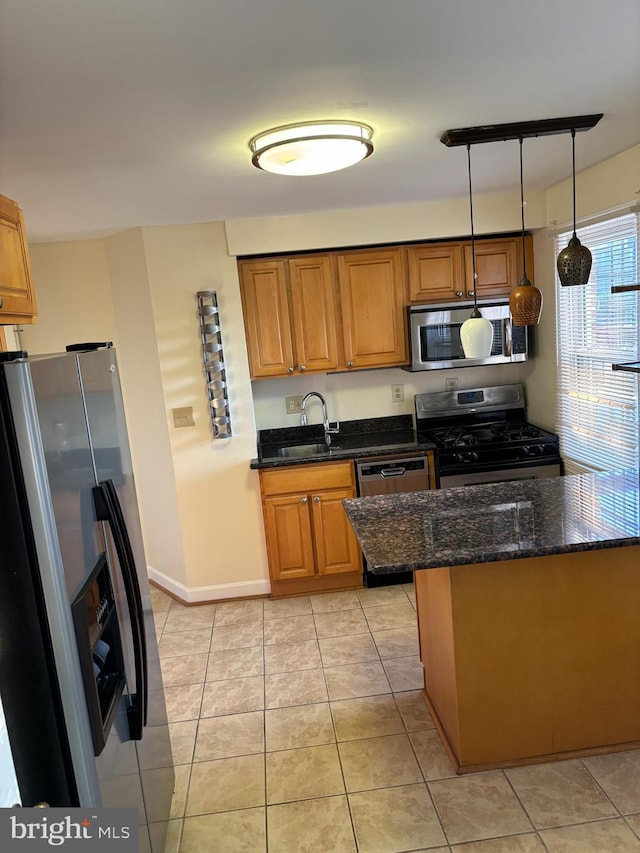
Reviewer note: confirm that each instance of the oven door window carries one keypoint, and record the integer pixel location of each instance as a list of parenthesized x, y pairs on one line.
[(441, 341)]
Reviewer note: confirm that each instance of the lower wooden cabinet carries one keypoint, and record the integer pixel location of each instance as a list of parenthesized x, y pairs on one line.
[(310, 543)]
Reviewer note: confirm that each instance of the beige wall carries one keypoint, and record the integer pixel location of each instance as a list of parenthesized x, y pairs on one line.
[(609, 185), (493, 213), (143, 397), (199, 501), (74, 296), (218, 496)]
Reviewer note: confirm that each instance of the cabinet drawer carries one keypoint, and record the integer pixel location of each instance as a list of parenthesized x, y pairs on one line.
[(308, 478)]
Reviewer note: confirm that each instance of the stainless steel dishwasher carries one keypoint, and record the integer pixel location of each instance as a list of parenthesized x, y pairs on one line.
[(385, 475), (392, 475)]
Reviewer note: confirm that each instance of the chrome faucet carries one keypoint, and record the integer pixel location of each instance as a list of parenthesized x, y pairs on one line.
[(304, 421)]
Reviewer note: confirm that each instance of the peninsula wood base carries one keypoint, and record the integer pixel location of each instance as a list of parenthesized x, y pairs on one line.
[(533, 660)]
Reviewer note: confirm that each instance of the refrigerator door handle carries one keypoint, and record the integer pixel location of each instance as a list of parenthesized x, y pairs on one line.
[(108, 509)]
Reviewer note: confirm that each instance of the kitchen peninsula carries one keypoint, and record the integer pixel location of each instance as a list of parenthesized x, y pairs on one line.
[(528, 596)]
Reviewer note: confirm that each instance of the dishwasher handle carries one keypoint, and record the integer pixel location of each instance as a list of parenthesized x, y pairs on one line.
[(393, 472)]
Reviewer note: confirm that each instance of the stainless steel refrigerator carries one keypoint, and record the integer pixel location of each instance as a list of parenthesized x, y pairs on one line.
[(80, 684)]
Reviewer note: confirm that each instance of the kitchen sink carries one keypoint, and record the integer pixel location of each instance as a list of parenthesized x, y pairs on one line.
[(303, 450)]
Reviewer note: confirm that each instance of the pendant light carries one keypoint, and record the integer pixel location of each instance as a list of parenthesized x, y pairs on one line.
[(574, 261), (476, 333), (525, 300)]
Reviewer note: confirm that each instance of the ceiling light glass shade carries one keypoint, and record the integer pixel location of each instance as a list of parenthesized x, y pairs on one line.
[(574, 263), (311, 148), (476, 336), (525, 300), (525, 304)]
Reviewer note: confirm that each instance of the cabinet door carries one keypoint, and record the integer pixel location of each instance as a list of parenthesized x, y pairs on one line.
[(496, 267), (337, 548), (265, 305), (436, 273), (16, 288), (372, 297), (313, 306), (289, 538)]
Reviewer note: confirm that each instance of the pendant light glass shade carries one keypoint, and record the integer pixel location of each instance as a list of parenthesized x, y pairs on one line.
[(476, 336), (525, 300), (525, 303), (574, 261), (476, 333), (311, 148)]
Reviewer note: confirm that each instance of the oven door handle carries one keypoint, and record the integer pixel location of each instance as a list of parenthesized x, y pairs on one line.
[(508, 337)]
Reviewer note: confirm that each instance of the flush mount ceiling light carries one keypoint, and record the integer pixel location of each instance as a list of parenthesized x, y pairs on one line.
[(311, 148)]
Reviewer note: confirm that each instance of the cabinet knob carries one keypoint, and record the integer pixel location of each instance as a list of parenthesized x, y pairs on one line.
[(303, 500), (316, 499), (459, 293), (289, 369), (302, 368), (349, 364), (471, 293)]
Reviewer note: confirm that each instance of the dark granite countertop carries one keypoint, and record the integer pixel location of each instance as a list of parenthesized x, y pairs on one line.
[(356, 439), (498, 521)]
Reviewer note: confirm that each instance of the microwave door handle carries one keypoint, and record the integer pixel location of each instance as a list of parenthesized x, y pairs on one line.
[(508, 337), (108, 509)]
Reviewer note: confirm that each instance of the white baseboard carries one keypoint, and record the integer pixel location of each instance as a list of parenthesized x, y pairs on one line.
[(215, 592)]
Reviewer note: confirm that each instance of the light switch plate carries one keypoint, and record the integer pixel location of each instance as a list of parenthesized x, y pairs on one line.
[(183, 416)]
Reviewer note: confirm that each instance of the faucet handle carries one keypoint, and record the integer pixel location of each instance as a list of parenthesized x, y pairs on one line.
[(333, 430)]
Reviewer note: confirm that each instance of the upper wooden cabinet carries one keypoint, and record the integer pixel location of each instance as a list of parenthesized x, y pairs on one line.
[(436, 272), (372, 298), (295, 324), (289, 315), (16, 288), (347, 310), (315, 320), (443, 272)]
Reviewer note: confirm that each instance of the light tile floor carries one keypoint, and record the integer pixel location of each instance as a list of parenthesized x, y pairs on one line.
[(298, 726)]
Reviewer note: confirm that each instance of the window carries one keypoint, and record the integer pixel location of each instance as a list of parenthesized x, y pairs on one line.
[(597, 406)]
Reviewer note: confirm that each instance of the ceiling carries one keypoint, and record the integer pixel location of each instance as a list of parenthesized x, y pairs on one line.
[(138, 112)]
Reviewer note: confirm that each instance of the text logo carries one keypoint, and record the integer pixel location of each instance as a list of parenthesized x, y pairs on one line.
[(72, 830)]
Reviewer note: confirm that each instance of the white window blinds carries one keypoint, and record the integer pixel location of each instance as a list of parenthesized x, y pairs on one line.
[(597, 406)]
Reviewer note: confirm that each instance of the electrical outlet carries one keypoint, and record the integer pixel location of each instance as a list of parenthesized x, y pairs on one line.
[(397, 393), (293, 404), (183, 416), (451, 384)]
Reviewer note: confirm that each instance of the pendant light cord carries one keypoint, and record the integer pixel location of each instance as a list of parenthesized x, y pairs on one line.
[(473, 241), (524, 254), (573, 172)]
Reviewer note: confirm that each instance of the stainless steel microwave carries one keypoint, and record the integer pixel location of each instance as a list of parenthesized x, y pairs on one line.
[(434, 334)]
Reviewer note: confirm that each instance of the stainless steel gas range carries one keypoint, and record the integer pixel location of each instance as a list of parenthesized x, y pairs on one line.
[(482, 436)]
